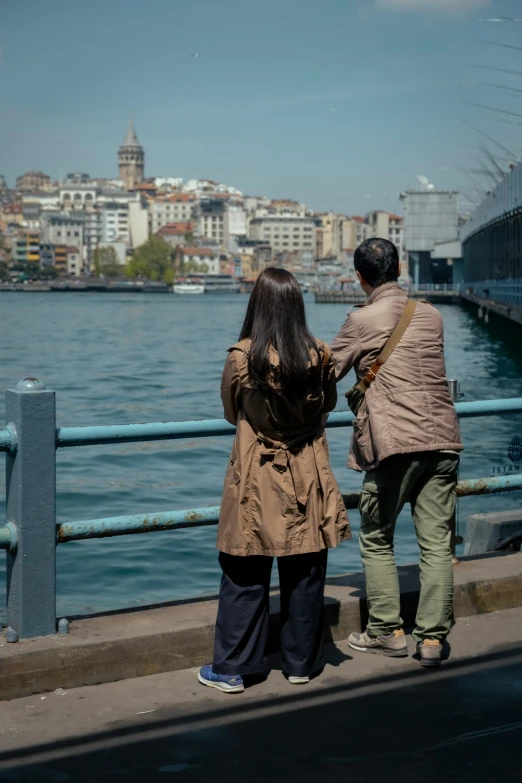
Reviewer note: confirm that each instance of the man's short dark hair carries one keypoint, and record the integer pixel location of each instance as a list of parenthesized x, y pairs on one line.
[(377, 260)]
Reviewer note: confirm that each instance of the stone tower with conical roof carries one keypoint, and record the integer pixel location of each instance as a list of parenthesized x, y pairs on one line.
[(131, 159)]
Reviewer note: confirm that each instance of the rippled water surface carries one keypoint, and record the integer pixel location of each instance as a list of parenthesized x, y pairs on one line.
[(126, 358)]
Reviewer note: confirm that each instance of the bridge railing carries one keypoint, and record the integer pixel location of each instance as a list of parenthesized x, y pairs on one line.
[(507, 292), (30, 535)]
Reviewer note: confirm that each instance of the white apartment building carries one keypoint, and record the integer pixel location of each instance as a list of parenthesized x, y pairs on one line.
[(285, 233), (387, 226), (235, 221), (115, 223), (176, 208), (63, 229)]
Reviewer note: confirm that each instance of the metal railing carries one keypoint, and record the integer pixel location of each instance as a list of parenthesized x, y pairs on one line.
[(507, 292), (442, 287), (30, 535)]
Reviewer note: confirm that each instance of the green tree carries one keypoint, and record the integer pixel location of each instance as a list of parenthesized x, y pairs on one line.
[(152, 260), (106, 262), (5, 277), (194, 266)]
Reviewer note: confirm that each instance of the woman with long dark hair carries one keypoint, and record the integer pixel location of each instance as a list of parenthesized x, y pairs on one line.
[(280, 497)]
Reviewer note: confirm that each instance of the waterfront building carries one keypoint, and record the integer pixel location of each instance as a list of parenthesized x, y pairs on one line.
[(202, 255), (175, 208), (131, 159), (46, 255), (26, 247), (64, 230), (33, 180), (431, 218), (74, 261), (285, 233), (60, 254)]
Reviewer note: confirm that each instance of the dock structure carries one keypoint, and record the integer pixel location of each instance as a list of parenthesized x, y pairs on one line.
[(493, 298), (436, 295)]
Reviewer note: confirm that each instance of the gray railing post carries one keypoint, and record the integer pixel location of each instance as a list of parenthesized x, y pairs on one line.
[(454, 390), (31, 510)]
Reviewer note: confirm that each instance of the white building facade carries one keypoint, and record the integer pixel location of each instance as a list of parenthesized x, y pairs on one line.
[(285, 233)]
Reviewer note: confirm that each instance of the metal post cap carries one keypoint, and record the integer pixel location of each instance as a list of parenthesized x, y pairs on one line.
[(12, 635), (29, 385)]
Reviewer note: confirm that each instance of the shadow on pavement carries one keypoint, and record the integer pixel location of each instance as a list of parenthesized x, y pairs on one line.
[(461, 723)]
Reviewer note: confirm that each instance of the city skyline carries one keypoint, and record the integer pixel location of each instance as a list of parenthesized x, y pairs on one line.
[(340, 116)]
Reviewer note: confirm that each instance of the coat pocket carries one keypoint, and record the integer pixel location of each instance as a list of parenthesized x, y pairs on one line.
[(363, 437)]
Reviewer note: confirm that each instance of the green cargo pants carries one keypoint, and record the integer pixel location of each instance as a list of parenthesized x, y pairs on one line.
[(427, 480)]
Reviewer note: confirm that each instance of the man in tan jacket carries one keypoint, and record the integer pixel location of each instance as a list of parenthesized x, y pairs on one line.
[(406, 437)]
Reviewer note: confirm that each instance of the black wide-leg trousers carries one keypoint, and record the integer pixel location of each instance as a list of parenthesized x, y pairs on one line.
[(243, 613)]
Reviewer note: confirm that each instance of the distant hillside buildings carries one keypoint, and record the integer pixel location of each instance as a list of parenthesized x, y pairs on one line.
[(63, 224)]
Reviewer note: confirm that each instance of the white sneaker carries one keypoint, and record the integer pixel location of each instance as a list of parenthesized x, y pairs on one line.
[(298, 680)]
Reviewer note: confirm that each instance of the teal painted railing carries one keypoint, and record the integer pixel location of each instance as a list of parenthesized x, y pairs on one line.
[(30, 534)]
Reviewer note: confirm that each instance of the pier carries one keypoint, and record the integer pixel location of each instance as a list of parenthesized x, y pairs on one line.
[(437, 294)]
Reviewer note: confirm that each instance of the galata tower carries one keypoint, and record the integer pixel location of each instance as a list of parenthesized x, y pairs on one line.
[(131, 159)]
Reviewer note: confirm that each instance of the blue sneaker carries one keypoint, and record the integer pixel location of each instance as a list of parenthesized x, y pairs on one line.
[(228, 683)]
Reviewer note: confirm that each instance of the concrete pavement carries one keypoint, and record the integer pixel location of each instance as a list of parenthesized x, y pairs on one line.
[(366, 718)]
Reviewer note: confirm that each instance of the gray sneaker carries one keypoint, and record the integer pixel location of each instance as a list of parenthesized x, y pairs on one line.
[(392, 644), (430, 652)]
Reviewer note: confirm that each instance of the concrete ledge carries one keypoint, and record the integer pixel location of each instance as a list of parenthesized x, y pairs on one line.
[(117, 646)]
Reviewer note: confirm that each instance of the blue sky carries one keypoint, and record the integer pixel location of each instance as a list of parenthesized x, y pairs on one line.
[(337, 103)]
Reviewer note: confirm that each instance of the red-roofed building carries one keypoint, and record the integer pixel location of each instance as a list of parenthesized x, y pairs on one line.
[(177, 233), (176, 208)]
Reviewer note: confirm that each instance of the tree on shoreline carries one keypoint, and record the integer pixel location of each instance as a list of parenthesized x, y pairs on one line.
[(152, 260), (106, 262)]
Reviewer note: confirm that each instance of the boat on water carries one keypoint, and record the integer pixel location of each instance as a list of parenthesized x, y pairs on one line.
[(211, 284), (220, 284), (189, 288)]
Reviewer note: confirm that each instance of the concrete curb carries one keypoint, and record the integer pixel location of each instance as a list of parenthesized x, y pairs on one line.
[(127, 644)]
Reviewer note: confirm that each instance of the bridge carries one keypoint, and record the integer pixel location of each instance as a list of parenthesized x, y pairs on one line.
[(114, 697), (438, 294), (489, 297)]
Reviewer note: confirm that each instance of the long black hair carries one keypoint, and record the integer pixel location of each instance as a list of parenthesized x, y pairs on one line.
[(276, 317)]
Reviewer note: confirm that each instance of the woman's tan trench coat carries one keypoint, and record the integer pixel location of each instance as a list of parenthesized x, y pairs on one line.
[(280, 496)]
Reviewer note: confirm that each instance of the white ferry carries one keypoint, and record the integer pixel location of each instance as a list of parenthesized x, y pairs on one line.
[(217, 284), (189, 288)]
